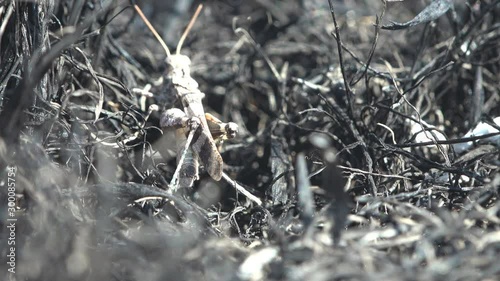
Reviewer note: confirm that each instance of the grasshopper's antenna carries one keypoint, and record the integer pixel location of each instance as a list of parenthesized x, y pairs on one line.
[(188, 28), (153, 30)]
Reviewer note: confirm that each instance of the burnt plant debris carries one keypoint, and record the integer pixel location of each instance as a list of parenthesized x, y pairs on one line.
[(368, 134)]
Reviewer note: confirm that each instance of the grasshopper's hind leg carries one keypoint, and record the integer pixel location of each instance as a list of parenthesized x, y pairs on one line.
[(187, 165)]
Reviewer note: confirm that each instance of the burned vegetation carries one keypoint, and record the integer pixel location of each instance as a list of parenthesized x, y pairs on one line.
[(344, 141)]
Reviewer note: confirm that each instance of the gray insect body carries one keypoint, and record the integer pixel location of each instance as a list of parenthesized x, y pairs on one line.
[(202, 145), (193, 134)]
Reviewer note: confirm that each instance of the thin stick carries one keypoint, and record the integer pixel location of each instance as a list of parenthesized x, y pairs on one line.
[(188, 28), (242, 189), (259, 49), (348, 90), (153, 30), (174, 182)]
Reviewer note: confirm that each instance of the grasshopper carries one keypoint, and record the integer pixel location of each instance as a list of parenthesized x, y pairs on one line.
[(195, 130)]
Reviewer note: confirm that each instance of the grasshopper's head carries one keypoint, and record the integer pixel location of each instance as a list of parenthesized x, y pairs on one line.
[(178, 65)]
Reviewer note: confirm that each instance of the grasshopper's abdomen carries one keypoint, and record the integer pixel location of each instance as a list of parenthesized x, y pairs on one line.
[(190, 166)]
